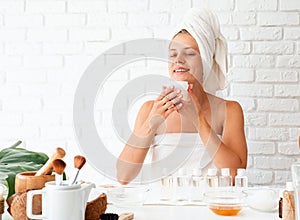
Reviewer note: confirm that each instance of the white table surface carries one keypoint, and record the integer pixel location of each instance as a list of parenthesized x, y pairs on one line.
[(154, 209), (156, 212), (152, 212)]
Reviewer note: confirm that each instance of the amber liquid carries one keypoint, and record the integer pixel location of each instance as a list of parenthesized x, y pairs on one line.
[(226, 210)]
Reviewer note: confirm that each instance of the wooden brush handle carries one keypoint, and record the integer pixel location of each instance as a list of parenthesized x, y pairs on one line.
[(58, 154)]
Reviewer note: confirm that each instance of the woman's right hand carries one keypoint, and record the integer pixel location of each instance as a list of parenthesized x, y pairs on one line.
[(166, 103)]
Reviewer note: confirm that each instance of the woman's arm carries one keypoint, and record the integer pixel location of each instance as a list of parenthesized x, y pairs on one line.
[(231, 151), (151, 115), (133, 155)]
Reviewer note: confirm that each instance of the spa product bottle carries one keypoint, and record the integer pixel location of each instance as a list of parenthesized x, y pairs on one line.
[(197, 185), (241, 180), (225, 179), (1, 205), (211, 179), (280, 203), (166, 188), (182, 185), (288, 208)]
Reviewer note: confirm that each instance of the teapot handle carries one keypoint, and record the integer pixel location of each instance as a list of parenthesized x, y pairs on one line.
[(30, 195)]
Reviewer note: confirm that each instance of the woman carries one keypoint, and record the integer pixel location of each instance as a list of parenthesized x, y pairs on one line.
[(198, 56)]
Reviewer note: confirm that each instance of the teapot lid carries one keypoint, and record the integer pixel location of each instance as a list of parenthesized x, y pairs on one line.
[(63, 186)]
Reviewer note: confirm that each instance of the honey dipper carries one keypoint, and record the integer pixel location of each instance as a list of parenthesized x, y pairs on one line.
[(58, 154)]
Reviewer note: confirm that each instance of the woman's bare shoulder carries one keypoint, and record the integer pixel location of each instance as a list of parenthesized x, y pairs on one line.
[(144, 112), (147, 106), (233, 106)]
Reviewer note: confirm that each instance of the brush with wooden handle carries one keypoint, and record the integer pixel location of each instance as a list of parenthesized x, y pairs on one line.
[(59, 167), (79, 161), (58, 154)]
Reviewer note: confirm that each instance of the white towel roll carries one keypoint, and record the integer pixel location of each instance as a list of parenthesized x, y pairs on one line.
[(204, 27)]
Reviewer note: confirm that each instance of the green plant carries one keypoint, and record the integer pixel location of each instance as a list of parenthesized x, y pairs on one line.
[(14, 160)]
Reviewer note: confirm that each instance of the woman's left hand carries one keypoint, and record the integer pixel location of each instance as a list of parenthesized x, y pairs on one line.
[(191, 107)]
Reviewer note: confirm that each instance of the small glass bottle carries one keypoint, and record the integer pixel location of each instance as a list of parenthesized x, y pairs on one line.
[(241, 180), (288, 209), (211, 178), (225, 179), (197, 185), (1, 205), (182, 185), (166, 188), (280, 205)]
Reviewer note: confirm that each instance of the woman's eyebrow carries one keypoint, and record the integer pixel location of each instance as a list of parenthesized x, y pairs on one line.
[(186, 48)]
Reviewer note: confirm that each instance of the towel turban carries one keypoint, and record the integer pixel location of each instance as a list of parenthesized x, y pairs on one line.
[(204, 27)]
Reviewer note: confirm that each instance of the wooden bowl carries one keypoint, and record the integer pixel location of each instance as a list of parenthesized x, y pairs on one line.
[(28, 181)]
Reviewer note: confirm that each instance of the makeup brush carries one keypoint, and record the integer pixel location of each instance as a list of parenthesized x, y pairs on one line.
[(58, 154), (59, 167), (79, 161)]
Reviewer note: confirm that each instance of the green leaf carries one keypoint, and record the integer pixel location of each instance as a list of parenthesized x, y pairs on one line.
[(14, 160)]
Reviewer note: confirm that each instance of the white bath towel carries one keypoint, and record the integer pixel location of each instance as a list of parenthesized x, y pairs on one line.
[(204, 27)]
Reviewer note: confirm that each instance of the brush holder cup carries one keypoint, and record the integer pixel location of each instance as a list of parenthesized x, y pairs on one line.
[(28, 181)]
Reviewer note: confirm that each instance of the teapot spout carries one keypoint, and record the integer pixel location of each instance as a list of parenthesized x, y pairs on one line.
[(86, 188)]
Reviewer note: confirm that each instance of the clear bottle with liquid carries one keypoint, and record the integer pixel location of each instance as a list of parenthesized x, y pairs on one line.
[(166, 188), (182, 191), (225, 180), (241, 180), (197, 186), (211, 178)]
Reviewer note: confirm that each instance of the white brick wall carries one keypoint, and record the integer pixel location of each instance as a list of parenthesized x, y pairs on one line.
[(45, 46)]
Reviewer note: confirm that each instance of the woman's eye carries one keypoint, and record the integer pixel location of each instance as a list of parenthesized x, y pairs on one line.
[(190, 54), (172, 55)]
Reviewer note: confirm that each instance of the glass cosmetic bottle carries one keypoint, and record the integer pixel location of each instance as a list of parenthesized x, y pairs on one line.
[(182, 185), (211, 179), (225, 180), (241, 180), (197, 185)]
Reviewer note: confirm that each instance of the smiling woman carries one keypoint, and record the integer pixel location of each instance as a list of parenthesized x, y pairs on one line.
[(213, 127)]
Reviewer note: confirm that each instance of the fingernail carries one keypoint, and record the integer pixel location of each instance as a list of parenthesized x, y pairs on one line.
[(178, 91), (180, 96), (179, 105)]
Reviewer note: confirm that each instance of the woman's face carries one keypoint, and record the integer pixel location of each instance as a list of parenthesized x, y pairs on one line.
[(184, 59)]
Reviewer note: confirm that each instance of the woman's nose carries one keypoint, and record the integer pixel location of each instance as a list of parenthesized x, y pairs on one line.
[(179, 59)]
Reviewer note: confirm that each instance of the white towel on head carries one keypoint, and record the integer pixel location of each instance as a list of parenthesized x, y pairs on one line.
[(204, 27)]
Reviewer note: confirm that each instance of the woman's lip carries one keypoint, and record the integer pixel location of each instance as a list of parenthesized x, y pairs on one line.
[(181, 70)]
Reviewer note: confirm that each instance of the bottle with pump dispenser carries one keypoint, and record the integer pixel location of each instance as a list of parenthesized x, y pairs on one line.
[(211, 178), (197, 185), (241, 180), (288, 204), (225, 180)]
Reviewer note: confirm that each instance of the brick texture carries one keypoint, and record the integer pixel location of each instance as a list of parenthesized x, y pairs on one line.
[(46, 46)]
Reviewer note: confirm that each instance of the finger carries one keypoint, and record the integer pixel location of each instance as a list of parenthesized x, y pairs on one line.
[(165, 92), (168, 105), (178, 106), (177, 99), (169, 111)]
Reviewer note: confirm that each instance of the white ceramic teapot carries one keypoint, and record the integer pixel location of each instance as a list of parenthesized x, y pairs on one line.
[(61, 202)]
